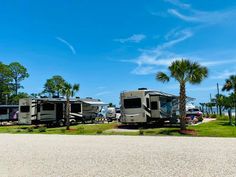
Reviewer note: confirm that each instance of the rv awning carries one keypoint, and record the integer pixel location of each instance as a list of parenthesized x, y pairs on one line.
[(94, 102)]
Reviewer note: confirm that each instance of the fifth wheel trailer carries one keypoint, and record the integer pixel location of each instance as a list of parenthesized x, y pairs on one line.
[(52, 110), (146, 106)]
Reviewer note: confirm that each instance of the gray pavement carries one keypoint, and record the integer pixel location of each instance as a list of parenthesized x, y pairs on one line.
[(105, 156)]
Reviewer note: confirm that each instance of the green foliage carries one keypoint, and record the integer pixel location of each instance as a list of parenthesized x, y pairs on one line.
[(213, 116), (18, 74), (5, 79), (63, 131), (183, 71), (99, 131), (223, 117), (200, 118), (230, 84), (68, 90), (80, 129), (141, 132), (30, 129), (111, 105), (10, 77), (42, 129), (54, 85), (14, 99)]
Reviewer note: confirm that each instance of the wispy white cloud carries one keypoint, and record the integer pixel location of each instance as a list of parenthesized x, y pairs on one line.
[(217, 62), (157, 59), (184, 17), (197, 89), (136, 38), (223, 74), (103, 93), (149, 61), (205, 17), (178, 4), (71, 47), (101, 87)]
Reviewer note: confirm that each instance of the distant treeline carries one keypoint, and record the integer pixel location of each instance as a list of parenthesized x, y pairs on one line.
[(11, 77)]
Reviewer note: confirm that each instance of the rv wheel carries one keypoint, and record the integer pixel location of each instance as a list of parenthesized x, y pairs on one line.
[(61, 123)]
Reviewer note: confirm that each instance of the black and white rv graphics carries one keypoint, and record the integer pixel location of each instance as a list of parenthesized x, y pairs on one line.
[(145, 106), (52, 110)]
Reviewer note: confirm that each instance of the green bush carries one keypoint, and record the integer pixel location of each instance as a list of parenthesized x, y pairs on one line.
[(213, 115), (141, 132), (223, 117), (30, 129), (200, 118), (42, 129), (18, 130), (80, 129), (99, 131)]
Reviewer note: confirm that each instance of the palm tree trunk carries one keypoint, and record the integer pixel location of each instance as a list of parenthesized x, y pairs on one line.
[(220, 109), (234, 96), (67, 113), (16, 86), (182, 106), (230, 116)]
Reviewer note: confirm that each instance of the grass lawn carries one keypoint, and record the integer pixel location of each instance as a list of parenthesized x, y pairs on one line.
[(217, 128), (85, 129)]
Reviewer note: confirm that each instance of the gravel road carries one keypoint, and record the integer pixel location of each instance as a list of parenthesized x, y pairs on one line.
[(106, 156)]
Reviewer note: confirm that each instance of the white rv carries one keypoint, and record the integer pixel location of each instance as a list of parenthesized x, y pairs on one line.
[(145, 106), (43, 110), (52, 110), (87, 109)]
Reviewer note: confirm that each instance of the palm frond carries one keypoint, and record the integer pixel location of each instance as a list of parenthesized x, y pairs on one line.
[(162, 77)]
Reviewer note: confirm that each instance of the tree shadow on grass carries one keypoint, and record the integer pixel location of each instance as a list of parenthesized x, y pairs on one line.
[(225, 124), (147, 126)]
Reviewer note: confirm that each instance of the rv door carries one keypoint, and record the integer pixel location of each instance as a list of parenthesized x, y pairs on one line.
[(154, 103)]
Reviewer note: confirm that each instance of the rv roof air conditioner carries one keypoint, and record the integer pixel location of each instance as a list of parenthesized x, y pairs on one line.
[(142, 88)]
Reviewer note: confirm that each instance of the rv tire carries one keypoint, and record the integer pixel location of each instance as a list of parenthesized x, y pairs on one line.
[(61, 123)]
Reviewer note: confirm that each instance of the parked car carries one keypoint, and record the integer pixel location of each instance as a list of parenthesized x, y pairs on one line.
[(194, 112)]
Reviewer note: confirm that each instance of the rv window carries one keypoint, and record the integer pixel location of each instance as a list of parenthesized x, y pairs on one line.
[(75, 108), (3, 111), (132, 103), (117, 110), (154, 105), (148, 104), (24, 109), (48, 107)]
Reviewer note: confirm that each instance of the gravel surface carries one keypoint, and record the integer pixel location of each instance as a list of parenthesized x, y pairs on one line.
[(105, 156)]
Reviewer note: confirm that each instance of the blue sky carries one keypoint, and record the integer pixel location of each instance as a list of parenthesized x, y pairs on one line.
[(110, 46)]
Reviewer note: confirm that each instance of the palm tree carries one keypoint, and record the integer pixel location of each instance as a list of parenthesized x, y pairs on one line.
[(68, 91), (230, 84), (203, 107), (228, 104), (220, 102), (183, 71)]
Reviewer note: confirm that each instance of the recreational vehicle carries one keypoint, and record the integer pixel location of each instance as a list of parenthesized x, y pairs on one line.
[(8, 113), (52, 110), (145, 106), (87, 109), (112, 114), (40, 110)]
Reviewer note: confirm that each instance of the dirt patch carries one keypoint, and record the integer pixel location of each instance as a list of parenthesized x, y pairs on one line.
[(188, 132)]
